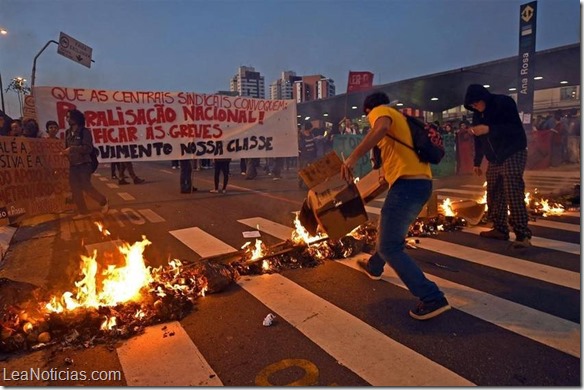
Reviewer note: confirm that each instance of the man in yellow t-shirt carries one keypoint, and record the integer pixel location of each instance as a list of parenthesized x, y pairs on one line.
[(410, 182)]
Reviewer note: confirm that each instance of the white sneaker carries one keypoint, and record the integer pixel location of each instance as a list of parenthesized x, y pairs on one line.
[(214, 191)]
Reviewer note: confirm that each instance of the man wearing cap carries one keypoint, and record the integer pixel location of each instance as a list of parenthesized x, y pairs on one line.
[(500, 137)]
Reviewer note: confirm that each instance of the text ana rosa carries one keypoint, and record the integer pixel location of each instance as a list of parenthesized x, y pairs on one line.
[(187, 98), (197, 148)]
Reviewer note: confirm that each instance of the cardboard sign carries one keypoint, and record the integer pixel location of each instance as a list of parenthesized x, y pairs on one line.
[(34, 177)]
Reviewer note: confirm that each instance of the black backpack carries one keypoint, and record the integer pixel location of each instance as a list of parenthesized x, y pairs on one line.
[(94, 162), (427, 141), (93, 155)]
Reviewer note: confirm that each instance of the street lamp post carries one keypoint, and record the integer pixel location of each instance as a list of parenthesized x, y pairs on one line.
[(35, 59), (2, 94)]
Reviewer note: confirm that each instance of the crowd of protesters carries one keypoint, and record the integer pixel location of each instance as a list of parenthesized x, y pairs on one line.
[(314, 142)]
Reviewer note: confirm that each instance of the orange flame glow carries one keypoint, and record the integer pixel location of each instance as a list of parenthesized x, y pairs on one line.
[(554, 209), (483, 199), (446, 207), (120, 284), (259, 249), (300, 235), (102, 229)]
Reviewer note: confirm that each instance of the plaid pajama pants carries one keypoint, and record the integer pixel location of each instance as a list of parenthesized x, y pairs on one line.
[(506, 192)]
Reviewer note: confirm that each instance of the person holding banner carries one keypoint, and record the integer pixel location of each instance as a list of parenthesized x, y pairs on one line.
[(78, 147), (221, 166), (16, 128), (5, 122), (186, 177), (30, 128), (52, 128), (123, 166)]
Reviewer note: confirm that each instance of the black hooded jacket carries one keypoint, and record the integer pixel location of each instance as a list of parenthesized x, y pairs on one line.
[(506, 135)]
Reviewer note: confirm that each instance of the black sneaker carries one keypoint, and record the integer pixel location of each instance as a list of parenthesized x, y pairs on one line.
[(137, 180), (123, 182), (427, 310), (495, 234), (521, 243), (364, 265)]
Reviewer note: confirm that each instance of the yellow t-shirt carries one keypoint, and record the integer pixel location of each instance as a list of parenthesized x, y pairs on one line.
[(398, 160)]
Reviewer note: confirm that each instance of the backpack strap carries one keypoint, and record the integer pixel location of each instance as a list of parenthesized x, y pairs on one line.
[(398, 140)]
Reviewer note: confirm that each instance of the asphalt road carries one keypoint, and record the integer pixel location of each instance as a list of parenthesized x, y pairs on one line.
[(515, 318)]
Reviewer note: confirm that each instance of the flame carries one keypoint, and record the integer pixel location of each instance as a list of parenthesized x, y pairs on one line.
[(204, 290), (300, 235), (483, 199), (554, 209), (446, 207), (109, 323), (101, 229), (259, 249), (119, 284), (527, 198)]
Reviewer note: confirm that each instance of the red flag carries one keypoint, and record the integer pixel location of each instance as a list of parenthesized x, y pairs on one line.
[(359, 81)]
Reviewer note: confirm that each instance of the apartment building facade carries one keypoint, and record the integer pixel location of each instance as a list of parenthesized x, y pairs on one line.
[(248, 82), (313, 87), (283, 88)]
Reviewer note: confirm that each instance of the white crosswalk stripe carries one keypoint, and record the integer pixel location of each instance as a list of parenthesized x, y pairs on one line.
[(344, 341), (535, 241), (553, 331), (310, 314), (151, 360)]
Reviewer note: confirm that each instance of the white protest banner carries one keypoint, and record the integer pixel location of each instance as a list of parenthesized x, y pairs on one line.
[(153, 126)]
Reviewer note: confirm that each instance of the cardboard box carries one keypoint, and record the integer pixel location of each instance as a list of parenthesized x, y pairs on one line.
[(331, 203), (372, 185)]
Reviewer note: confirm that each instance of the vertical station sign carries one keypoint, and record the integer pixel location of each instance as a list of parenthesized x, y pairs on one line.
[(526, 63)]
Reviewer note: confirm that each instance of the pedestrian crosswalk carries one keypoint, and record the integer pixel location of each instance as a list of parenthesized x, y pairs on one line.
[(515, 318), (364, 331), (544, 183)]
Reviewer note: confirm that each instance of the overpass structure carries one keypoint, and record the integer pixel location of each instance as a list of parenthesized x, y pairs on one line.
[(559, 67)]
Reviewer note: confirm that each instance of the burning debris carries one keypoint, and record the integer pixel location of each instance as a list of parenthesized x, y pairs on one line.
[(116, 301), (475, 212), (540, 207), (427, 227), (113, 302)]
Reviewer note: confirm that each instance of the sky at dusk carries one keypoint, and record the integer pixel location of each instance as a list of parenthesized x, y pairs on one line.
[(197, 45)]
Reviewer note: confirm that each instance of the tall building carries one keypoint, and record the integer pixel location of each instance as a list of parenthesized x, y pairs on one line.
[(313, 87), (282, 89), (248, 82)]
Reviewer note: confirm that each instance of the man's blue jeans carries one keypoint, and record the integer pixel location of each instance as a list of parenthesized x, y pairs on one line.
[(401, 207)]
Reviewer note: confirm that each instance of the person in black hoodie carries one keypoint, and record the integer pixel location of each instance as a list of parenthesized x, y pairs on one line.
[(500, 137)]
